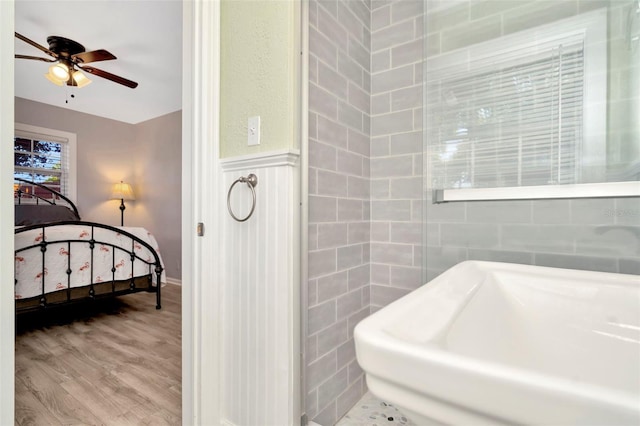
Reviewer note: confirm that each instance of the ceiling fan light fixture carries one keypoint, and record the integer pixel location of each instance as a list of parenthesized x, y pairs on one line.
[(59, 71), (54, 79), (80, 79)]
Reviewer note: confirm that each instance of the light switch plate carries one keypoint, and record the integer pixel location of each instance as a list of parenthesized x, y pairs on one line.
[(253, 131)]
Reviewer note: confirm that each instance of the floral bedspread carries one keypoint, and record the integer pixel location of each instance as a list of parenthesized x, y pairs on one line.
[(109, 262)]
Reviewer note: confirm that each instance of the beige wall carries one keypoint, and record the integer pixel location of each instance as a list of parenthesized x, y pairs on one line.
[(259, 76), (147, 155)]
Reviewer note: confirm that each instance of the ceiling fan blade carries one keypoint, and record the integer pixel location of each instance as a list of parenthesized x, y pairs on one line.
[(36, 45), (93, 56), (35, 58), (109, 76)]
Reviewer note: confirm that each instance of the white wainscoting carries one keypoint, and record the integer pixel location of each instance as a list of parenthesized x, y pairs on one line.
[(260, 309)]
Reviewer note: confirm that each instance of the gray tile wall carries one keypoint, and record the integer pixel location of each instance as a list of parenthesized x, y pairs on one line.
[(396, 149), (339, 205)]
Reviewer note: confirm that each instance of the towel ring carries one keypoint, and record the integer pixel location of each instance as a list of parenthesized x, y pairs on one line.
[(251, 181)]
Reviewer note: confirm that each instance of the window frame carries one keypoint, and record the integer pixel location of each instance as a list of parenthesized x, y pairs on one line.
[(591, 27), (53, 135)]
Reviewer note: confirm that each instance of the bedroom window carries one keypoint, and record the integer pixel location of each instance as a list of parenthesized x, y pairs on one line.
[(45, 156), (519, 111)]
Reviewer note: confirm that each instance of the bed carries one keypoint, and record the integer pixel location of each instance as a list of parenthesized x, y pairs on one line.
[(61, 259)]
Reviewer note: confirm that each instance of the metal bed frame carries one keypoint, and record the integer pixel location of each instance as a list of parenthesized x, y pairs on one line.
[(92, 291)]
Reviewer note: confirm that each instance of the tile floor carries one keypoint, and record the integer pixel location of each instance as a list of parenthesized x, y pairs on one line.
[(371, 411)]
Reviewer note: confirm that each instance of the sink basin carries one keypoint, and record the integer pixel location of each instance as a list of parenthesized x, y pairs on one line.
[(491, 343)]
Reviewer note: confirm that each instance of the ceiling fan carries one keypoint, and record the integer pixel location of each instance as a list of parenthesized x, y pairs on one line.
[(69, 58)]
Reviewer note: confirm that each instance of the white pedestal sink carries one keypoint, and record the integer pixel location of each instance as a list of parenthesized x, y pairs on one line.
[(491, 343)]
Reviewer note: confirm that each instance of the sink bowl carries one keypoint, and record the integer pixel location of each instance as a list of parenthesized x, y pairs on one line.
[(492, 343)]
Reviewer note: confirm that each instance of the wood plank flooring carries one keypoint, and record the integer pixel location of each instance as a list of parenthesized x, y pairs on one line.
[(114, 362)]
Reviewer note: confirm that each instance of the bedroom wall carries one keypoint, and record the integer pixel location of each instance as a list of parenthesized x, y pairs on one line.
[(109, 151)]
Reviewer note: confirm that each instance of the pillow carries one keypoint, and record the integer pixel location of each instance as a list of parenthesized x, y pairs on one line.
[(35, 214)]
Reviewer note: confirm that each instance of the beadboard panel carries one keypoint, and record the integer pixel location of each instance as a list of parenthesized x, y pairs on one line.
[(260, 292)]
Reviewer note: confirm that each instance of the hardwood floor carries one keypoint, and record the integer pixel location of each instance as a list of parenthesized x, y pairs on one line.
[(114, 362)]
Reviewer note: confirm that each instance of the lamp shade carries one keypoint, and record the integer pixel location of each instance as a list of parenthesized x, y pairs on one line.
[(122, 191)]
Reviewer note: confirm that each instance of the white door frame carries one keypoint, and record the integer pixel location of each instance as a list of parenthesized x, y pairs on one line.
[(200, 327), (201, 180)]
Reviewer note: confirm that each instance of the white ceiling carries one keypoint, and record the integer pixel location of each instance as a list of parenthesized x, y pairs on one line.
[(145, 36)]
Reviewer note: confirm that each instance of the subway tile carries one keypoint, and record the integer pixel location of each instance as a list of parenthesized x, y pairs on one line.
[(313, 13), (313, 181), (432, 236), (366, 80), (332, 235), (366, 124), (446, 212), (322, 209), (406, 233), (626, 211), (349, 397), (537, 13), (397, 122), (380, 189), (392, 254), (484, 8), (418, 255), (393, 79), (406, 277), (411, 97), (499, 212), (329, 26), (380, 274), (327, 416), (359, 53), (358, 232), (331, 337), (406, 143), (418, 118), (396, 166), (358, 187), (406, 188), (417, 210), (351, 23), (355, 318), (448, 17), (432, 47), (366, 253), (321, 155), (321, 316), (587, 263), (349, 303), (501, 256), (465, 35), (312, 237), (471, 235), (377, 4), (360, 10), (359, 99), (332, 388), (313, 69), (350, 210), (331, 81), (322, 262), (380, 18), (358, 142), (592, 211), (349, 256), (406, 9), (311, 349), (419, 26), (380, 232), (332, 286), (350, 69), (313, 125), (587, 5), (349, 116), (381, 61), (359, 276), (551, 211), (407, 53), (392, 35), (383, 295), (355, 372), (322, 102), (349, 163), (330, 183), (380, 146), (381, 104), (330, 6), (608, 240), (322, 48), (366, 295), (346, 353), (397, 210), (332, 133), (312, 292), (443, 258), (539, 238)]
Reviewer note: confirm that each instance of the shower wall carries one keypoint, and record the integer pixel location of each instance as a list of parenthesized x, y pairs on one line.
[(338, 263), (592, 234)]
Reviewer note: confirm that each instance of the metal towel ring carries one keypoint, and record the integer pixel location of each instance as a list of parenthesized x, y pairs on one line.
[(251, 181)]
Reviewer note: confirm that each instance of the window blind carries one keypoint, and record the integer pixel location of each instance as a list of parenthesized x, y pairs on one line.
[(511, 119)]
